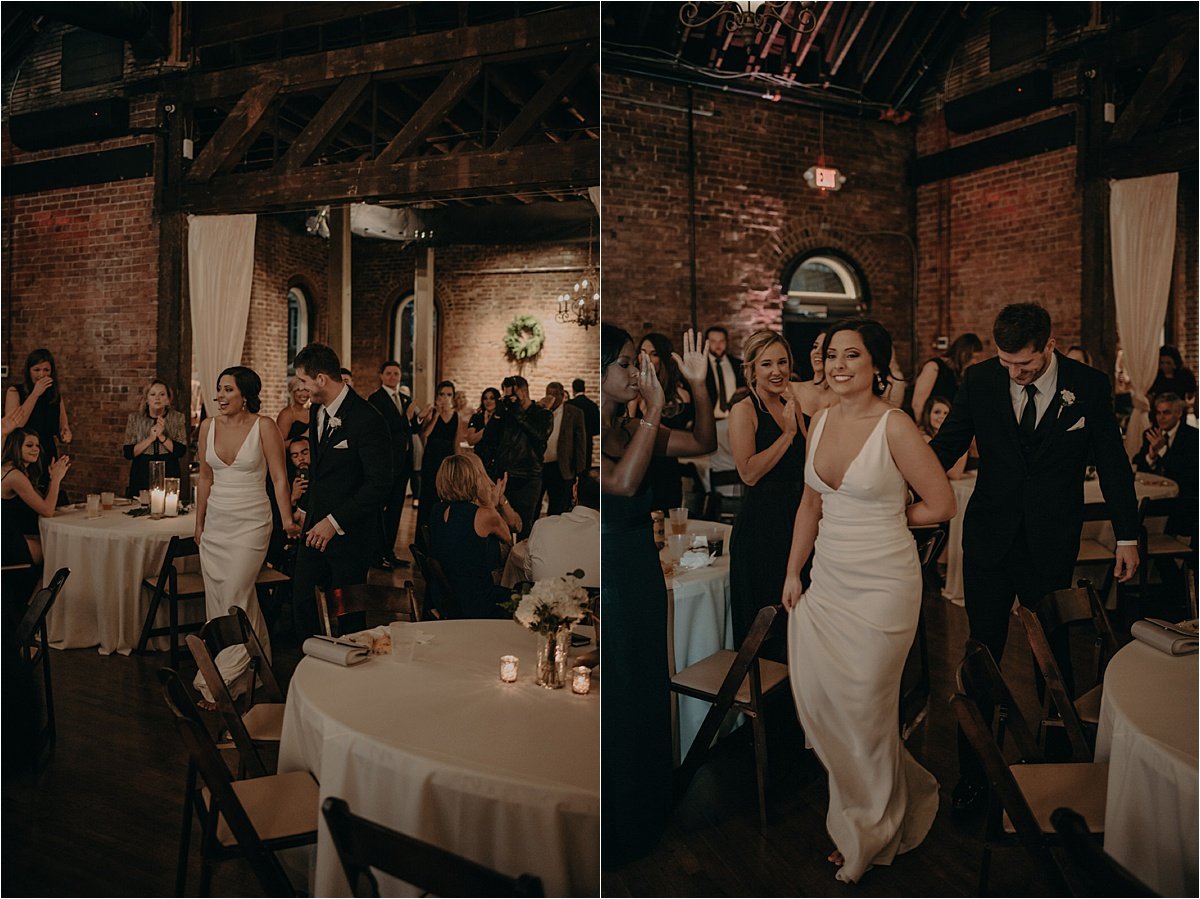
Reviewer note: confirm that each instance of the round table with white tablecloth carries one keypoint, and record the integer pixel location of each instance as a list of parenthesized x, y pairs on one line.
[(1146, 486), (1148, 736), (700, 623), (507, 775), (103, 603)]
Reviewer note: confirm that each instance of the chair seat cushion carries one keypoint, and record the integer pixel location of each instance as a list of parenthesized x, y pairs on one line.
[(264, 722), (1082, 786), (1093, 551), (1166, 545), (1088, 705), (188, 583), (279, 806), (706, 676)]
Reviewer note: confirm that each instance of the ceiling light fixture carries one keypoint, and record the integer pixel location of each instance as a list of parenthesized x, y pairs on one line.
[(580, 303), (751, 17)]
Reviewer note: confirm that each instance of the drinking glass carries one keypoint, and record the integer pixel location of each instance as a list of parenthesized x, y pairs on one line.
[(679, 519)]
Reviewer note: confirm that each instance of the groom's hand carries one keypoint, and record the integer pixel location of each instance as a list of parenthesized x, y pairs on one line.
[(1127, 563), (320, 534)]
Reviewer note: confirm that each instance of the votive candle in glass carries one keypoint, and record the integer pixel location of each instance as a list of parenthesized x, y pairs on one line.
[(581, 679), (158, 501), (171, 499), (508, 668)]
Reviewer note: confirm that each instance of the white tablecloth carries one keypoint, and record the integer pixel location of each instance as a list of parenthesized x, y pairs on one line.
[(103, 602), (700, 624), (1148, 736), (438, 748), (1145, 486)]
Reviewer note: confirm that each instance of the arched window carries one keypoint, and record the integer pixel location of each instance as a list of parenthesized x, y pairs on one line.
[(404, 335), (822, 288), (299, 307)]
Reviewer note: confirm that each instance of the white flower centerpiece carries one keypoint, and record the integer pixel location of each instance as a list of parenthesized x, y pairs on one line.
[(549, 609)]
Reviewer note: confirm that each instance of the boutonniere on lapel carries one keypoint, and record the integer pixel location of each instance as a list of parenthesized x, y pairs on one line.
[(1066, 399), (334, 423)]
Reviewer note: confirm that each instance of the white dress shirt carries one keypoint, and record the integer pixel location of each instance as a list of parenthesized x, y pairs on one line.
[(551, 454), (719, 367), (562, 543), (1046, 386)]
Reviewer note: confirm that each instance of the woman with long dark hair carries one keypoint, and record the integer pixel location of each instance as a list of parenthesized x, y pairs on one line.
[(636, 712), (483, 429), (24, 503), (441, 431), (39, 396), (665, 475), (1173, 376), (941, 375), (154, 433)]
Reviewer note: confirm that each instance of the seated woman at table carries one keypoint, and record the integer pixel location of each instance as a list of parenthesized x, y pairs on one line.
[(39, 397), (154, 433), (22, 502), (466, 527), (293, 418)]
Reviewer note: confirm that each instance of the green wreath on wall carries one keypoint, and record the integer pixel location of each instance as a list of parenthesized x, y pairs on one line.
[(524, 338)]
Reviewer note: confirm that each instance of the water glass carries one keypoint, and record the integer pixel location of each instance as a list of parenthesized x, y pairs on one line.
[(106, 500), (93, 505)]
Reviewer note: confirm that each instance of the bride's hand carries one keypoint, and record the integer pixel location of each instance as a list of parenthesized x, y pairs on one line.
[(792, 591), (199, 531)]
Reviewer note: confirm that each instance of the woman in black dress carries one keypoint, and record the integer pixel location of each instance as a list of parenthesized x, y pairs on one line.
[(665, 475), (23, 502), (440, 430), (635, 708), (155, 433), (766, 437), (483, 430), (292, 419), (942, 375), (40, 399)]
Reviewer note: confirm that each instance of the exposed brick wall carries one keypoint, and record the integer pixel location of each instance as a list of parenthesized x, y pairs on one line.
[(478, 295), (754, 213)]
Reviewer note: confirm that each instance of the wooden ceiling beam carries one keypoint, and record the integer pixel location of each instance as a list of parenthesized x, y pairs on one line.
[(1172, 150), (531, 35), (550, 93), (858, 27), (1157, 91), (444, 98), (321, 129), (813, 36), (572, 166), (282, 17), (887, 45), (239, 130)]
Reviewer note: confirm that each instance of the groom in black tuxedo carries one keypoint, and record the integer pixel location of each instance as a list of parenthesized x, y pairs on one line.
[(1037, 418), (350, 477)]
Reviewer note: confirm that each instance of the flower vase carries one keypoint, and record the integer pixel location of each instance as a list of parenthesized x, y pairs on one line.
[(552, 652)]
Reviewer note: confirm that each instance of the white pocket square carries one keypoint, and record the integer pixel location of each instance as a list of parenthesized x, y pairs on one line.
[(1079, 424), (342, 445)]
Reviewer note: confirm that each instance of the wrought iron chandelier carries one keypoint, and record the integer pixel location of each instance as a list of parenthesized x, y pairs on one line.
[(750, 17), (580, 303)]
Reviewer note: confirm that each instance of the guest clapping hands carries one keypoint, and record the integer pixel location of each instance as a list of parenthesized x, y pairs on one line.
[(24, 503), (39, 399), (154, 433)]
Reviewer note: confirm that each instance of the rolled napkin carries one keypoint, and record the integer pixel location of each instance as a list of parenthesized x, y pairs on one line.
[(695, 558), (1173, 639), (339, 651), (378, 640)]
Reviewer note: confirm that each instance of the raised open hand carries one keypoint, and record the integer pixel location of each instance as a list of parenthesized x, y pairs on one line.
[(693, 364), (648, 385)]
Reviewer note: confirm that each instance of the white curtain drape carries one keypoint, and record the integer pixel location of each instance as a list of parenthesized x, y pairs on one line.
[(220, 269), (1142, 221)]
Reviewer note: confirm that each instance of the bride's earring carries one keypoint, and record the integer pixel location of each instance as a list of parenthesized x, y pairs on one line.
[(879, 382)]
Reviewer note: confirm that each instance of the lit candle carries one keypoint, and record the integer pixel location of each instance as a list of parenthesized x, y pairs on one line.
[(581, 679), (508, 668), (171, 504), (158, 499)]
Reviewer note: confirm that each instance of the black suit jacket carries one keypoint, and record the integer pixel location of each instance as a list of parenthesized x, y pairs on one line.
[(1180, 465), (591, 421), (399, 428), (739, 380), (1043, 497), (351, 473)]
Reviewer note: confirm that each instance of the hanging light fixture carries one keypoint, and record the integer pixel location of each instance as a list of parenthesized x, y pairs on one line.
[(750, 17), (580, 302)]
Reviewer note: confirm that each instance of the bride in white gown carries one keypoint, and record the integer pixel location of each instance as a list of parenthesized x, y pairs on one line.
[(850, 633), (233, 512)]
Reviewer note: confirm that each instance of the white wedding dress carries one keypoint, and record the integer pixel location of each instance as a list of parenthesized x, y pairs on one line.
[(848, 639), (237, 529)]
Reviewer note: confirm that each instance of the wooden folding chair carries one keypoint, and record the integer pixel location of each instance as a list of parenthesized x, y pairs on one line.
[(1091, 871), (380, 603), (718, 506), (1022, 795), (440, 599), (733, 680), (174, 586), (33, 652), (248, 819), (261, 725), (914, 698), (362, 845)]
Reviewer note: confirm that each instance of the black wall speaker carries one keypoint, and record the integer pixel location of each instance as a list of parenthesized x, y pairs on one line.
[(66, 126), (1001, 102)]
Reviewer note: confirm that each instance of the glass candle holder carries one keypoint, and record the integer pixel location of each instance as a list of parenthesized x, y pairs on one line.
[(171, 497), (93, 505), (158, 488), (581, 679), (508, 668)]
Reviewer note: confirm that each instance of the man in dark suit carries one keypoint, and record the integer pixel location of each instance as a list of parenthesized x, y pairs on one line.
[(591, 414), (725, 375), (350, 478), (1170, 449), (566, 450), (397, 411), (1037, 418)]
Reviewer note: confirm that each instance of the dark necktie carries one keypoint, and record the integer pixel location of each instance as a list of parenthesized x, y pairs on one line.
[(324, 426), (1029, 415), (722, 396)]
